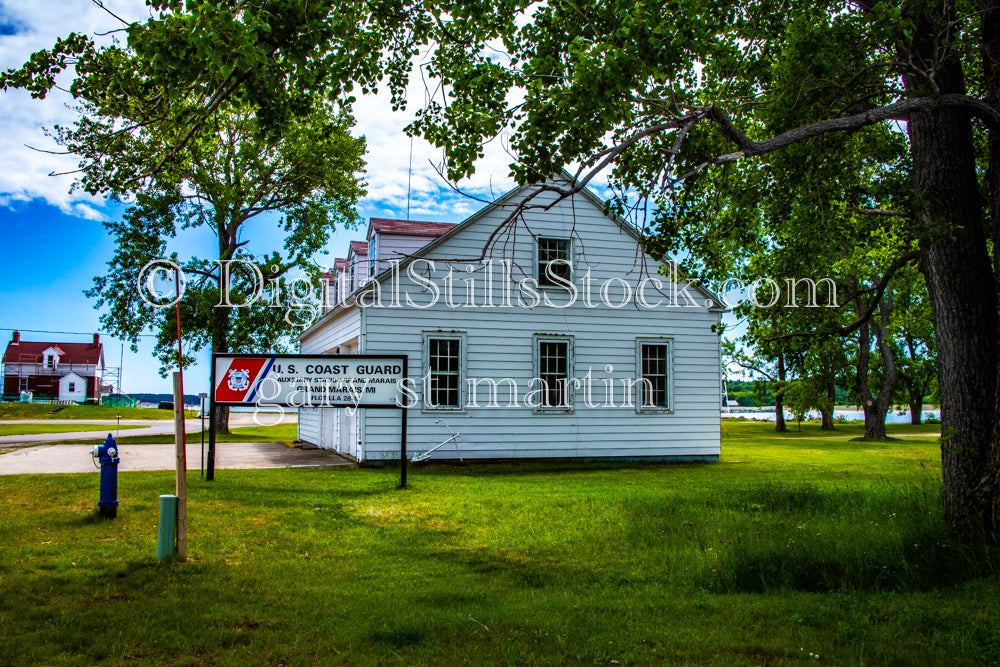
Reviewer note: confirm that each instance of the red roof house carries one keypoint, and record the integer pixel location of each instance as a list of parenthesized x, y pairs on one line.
[(53, 370)]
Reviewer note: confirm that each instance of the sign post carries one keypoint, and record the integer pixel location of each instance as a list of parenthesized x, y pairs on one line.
[(210, 467), (309, 381), (201, 406)]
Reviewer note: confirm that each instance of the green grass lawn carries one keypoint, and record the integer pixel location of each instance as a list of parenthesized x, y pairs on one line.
[(28, 429), (789, 548), (32, 411)]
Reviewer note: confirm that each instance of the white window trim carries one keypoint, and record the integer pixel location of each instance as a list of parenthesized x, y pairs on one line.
[(570, 374), (572, 262), (669, 342), (461, 337)]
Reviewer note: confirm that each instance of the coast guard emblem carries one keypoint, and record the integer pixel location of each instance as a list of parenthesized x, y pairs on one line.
[(238, 380)]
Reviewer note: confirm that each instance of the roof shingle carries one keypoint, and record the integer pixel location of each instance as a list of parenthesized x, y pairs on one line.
[(410, 227), (30, 352)]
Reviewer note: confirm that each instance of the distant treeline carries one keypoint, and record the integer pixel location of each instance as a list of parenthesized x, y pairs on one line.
[(749, 394)]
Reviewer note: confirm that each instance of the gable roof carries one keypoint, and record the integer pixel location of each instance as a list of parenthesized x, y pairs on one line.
[(339, 263), (358, 249), (718, 303), (409, 227), (30, 352)]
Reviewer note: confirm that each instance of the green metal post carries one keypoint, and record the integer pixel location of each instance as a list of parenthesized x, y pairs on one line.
[(166, 538)]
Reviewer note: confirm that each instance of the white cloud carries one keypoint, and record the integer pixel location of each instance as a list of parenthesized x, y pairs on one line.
[(24, 172)]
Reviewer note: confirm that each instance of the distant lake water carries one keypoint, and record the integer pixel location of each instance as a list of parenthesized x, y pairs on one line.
[(893, 417)]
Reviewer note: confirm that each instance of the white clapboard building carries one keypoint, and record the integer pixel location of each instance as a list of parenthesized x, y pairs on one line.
[(625, 364)]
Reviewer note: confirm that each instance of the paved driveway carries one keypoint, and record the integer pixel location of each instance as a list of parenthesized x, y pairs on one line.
[(232, 455), (36, 453)]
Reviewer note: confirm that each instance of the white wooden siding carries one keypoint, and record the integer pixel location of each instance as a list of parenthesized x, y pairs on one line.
[(500, 346), (337, 329), (397, 247)]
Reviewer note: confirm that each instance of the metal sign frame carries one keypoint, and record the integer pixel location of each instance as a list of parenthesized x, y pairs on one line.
[(401, 358)]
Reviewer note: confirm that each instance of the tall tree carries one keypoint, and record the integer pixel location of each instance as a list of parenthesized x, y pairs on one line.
[(236, 184)]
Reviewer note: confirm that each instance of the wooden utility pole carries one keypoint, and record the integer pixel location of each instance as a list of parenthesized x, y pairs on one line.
[(181, 461), (180, 444)]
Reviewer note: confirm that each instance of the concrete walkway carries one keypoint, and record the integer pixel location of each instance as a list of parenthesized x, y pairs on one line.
[(229, 455), (41, 453), (152, 427)]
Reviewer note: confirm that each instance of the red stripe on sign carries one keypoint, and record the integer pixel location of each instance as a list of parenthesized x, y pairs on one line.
[(238, 379)]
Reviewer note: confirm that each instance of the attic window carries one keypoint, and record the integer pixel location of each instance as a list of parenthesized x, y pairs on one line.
[(50, 361), (554, 262)]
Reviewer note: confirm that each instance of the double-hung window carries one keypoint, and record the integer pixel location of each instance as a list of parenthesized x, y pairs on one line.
[(554, 259), (444, 357), (553, 362), (654, 368)]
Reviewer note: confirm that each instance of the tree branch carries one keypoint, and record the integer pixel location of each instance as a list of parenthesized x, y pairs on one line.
[(879, 289)]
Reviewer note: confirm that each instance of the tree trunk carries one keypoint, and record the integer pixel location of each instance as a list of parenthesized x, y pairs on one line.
[(221, 419), (989, 496), (220, 343), (916, 403), (779, 397), (875, 426), (961, 284), (861, 378), (915, 384), (826, 413)]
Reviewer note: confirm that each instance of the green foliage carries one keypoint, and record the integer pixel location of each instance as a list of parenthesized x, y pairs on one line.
[(196, 123), (306, 181)]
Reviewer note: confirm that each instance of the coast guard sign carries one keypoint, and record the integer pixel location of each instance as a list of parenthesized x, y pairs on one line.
[(304, 381)]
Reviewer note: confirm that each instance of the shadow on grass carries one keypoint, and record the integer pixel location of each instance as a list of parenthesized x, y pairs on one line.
[(546, 467), (774, 536), (926, 564)]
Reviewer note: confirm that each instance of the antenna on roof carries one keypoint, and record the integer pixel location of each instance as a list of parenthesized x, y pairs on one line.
[(409, 176)]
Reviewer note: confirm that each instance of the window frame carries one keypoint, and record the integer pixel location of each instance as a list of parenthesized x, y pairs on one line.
[(71, 387), (669, 380), (373, 256), (536, 341), (461, 337), (23, 384), (540, 274)]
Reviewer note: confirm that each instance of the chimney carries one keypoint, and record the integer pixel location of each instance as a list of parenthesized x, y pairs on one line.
[(97, 339), (16, 339)]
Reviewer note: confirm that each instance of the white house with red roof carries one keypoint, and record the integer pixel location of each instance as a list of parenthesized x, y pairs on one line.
[(53, 370), (536, 328)]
